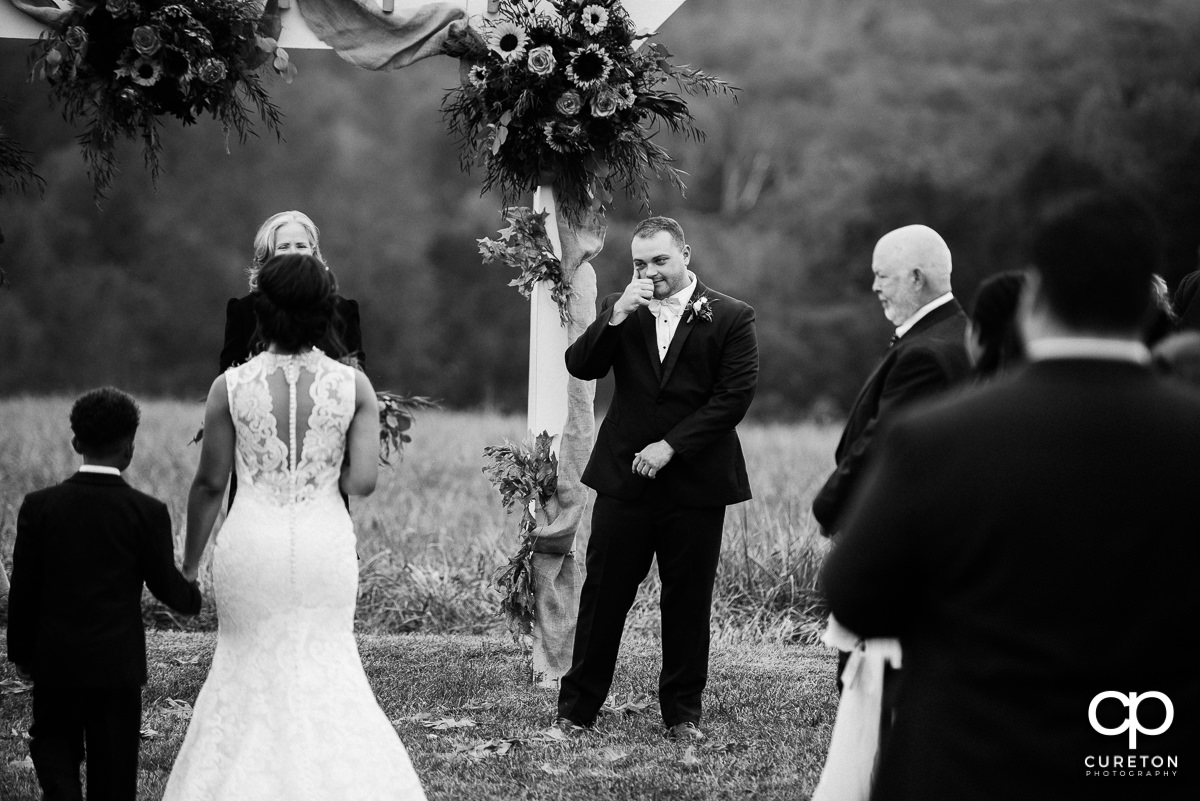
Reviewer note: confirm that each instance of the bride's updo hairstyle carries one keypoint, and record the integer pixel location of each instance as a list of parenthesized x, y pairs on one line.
[(294, 301)]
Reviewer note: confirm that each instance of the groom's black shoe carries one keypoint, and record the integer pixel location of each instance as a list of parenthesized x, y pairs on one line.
[(685, 732)]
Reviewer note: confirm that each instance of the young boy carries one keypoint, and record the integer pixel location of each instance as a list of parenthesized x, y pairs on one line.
[(83, 550)]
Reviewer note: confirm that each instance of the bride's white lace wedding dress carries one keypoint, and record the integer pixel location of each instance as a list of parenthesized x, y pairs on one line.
[(286, 711)]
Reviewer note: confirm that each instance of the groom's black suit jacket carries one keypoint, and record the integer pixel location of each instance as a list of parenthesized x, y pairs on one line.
[(1032, 544), (693, 399), (928, 359), (84, 549)]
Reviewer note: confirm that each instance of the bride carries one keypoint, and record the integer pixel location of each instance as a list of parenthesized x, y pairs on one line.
[(286, 711)]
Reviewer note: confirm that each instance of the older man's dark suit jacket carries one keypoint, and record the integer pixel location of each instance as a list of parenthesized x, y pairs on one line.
[(84, 549), (241, 324), (1032, 544), (693, 399), (928, 359)]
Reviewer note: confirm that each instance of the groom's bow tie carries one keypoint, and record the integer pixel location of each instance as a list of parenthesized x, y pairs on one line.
[(672, 305)]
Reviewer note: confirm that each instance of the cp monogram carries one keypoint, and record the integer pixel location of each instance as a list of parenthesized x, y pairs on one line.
[(1131, 723)]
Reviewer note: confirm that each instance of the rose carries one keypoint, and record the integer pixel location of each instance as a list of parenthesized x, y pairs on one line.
[(117, 7), (145, 40), (569, 103), (212, 70), (541, 60), (76, 37), (604, 103)]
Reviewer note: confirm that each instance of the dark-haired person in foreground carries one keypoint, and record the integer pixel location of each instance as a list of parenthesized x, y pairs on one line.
[(286, 711), (1033, 544), (84, 549)]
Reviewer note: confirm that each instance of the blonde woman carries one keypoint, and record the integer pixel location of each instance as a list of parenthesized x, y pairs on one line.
[(285, 233)]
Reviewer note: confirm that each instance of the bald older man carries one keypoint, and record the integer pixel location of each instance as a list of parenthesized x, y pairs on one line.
[(927, 354)]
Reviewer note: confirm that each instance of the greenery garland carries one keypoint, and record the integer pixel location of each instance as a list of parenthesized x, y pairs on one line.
[(525, 246), (120, 65), (564, 98), (526, 476)]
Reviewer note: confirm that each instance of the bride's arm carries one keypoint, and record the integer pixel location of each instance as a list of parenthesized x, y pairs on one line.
[(360, 470), (208, 487)]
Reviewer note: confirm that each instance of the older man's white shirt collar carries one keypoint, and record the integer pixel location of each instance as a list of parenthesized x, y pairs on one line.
[(99, 468), (1121, 350), (940, 300)]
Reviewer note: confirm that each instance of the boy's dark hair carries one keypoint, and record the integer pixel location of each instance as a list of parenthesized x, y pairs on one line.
[(103, 419), (295, 301)]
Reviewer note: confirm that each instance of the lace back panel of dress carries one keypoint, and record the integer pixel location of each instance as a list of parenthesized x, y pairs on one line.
[(290, 414)]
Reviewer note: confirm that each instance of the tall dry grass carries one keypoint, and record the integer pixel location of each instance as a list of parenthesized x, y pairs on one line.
[(433, 532)]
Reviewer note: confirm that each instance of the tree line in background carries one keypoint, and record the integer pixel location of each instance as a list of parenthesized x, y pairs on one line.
[(856, 116)]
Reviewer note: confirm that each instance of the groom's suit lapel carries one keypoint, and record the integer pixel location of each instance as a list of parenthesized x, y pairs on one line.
[(682, 332)]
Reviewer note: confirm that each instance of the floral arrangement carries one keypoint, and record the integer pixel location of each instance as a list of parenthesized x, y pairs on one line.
[(397, 413), (699, 309), (119, 65), (565, 98), (525, 246), (526, 476)]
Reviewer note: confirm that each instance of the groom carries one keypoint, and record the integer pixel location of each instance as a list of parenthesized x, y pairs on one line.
[(667, 462)]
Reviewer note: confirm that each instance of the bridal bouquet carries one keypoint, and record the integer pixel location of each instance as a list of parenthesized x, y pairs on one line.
[(119, 65), (566, 99)]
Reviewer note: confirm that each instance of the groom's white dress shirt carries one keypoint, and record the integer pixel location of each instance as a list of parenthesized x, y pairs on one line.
[(667, 318)]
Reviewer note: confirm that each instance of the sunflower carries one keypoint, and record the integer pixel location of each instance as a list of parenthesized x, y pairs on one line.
[(595, 19), (142, 70), (508, 41), (563, 137), (589, 66)]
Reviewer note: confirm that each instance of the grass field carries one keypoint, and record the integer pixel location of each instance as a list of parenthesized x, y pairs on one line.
[(433, 533), (769, 712), (432, 644)]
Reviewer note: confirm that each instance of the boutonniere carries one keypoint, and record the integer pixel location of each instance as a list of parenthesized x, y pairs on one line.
[(700, 309)]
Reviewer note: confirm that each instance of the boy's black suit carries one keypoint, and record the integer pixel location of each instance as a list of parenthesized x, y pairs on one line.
[(84, 549)]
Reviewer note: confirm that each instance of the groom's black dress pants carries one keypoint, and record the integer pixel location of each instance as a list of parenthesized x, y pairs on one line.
[(107, 720), (626, 537)]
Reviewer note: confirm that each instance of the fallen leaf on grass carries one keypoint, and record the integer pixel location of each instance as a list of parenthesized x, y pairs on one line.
[(178, 709), (195, 660), (448, 723), (553, 734), (486, 748), (613, 754), (479, 706), (689, 757), (18, 734), (554, 770), (420, 717), (147, 733), (27, 762), (633, 704), (15, 686)]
